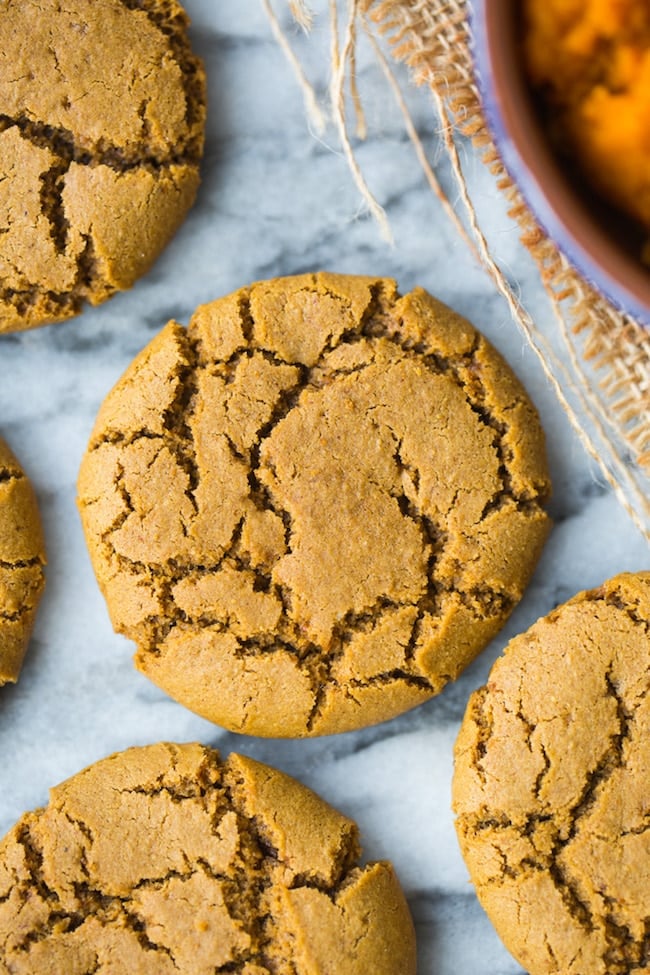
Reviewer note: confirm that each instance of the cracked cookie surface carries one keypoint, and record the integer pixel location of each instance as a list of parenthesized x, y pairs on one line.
[(551, 786), (313, 507), (102, 107), (22, 560), (164, 859)]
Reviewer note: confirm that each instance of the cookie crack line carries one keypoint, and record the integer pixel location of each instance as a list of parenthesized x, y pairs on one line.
[(64, 303), (396, 675), (178, 426), (52, 183), (614, 597), (11, 474), (454, 367), (367, 327), (174, 29), (91, 901), (321, 674), (611, 760), (19, 616), (36, 561), (289, 399), (243, 888), (62, 144), (451, 367)]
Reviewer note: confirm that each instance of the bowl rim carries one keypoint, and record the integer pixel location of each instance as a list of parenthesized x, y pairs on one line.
[(525, 153)]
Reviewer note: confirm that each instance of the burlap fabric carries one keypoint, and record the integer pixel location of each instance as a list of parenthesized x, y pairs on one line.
[(596, 358)]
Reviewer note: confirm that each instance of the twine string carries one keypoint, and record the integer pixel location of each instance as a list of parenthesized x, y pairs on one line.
[(302, 14), (341, 58), (303, 17)]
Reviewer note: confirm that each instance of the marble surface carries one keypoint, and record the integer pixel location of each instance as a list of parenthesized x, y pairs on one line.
[(277, 199)]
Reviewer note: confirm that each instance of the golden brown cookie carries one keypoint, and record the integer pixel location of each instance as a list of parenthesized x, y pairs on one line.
[(101, 132), (551, 787), (22, 559), (164, 859), (313, 507)]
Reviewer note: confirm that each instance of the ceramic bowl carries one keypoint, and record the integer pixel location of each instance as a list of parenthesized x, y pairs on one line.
[(601, 243)]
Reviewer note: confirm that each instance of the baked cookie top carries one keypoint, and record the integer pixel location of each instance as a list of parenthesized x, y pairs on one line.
[(102, 108), (22, 559), (313, 507), (164, 859), (551, 786)]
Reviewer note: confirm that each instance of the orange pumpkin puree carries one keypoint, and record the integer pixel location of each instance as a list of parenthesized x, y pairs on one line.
[(590, 60)]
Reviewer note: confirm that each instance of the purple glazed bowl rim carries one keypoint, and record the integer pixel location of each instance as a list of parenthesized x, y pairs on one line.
[(527, 158)]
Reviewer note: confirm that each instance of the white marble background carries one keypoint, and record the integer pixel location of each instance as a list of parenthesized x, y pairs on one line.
[(275, 199)]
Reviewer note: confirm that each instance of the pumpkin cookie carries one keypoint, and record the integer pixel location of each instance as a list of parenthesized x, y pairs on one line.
[(164, 859), (21, 564), (102, 108), (551, 786), (315, 506)]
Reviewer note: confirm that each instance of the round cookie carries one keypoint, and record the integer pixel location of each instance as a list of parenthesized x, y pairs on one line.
[(164, 859), (22, 560), (101, 132), (313, 507), (551, 787)]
